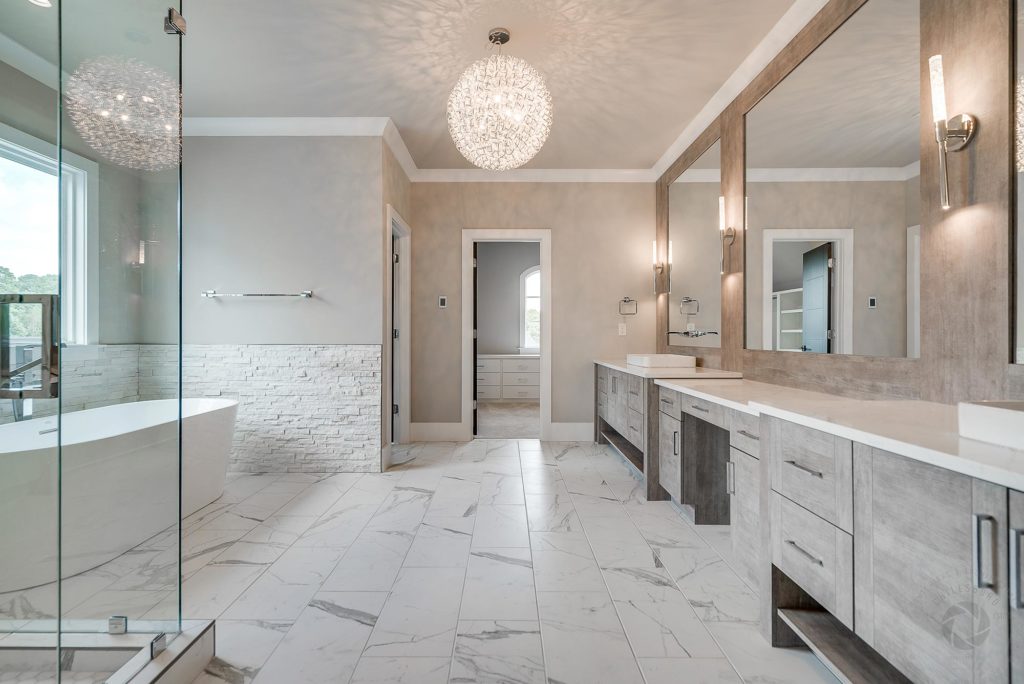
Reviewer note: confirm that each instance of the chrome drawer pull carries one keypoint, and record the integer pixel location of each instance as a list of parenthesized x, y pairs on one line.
[(1016, 602), (700, 408), (675, 442), (809, 471), (979, 577), (810, 556), (746, 434), (730, 477), (667, 402)]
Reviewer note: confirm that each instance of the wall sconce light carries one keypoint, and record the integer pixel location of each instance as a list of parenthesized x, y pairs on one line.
[(662, 271), (952, 135), (728, 235)]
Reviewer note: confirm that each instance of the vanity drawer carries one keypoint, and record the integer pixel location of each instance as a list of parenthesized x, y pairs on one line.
[(520, 378), (635, 428), (815, 554), (705, 410), (488, 365), (488, 379), (520, 392), (814, 469), (669, 402), (520, 365), (488, 392), (602, 405), (745, 433), (635, 392)]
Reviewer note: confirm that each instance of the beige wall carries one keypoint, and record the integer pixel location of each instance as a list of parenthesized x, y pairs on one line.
[(601, 252), (878, 213), (283, 215), (500, 265), (696, 260)]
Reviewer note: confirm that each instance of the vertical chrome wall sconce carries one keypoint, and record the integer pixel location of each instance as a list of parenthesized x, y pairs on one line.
[(728, 235), (952, 135), (662, 271)]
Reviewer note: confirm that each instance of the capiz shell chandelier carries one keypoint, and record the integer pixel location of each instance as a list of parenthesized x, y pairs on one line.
[(499, 113), (127, 111)]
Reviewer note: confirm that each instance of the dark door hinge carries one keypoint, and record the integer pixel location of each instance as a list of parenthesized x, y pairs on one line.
[(394, 409), (394, 333), (396, 258), (174, 23)]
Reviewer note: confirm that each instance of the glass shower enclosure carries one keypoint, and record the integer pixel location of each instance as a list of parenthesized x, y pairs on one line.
[(90, 408)]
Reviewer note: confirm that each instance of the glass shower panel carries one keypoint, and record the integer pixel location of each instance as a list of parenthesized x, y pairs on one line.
[(29, 277), (120, 400)]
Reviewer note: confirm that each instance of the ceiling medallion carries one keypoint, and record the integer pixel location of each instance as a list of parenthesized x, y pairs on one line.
[(127, 111), (499, 113)]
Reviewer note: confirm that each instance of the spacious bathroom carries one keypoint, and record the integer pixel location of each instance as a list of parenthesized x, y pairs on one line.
[(511, 341)]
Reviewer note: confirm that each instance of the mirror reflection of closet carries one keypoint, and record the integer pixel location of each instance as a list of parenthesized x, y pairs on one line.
[(833, 194), (695, 240)]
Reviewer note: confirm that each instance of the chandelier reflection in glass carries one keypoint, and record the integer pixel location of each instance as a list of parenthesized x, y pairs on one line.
[(127, 111), (499, 113)]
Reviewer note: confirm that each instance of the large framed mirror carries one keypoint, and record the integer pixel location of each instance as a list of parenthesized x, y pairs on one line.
[(833, 194), (695, 249)]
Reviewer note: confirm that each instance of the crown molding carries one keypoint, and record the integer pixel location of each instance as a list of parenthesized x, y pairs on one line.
[(535, 176), (811, 175)]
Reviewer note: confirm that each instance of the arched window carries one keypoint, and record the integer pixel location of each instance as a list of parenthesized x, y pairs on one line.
[(529, 310)]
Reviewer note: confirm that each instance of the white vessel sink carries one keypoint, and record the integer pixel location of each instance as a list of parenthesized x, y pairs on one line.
[(995, 422), (661, 360)]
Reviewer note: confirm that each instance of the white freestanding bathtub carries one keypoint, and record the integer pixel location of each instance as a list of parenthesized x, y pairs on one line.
[(118, 482)]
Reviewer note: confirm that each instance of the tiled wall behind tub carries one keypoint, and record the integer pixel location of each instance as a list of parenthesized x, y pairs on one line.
[(302, 408), (91, 376)]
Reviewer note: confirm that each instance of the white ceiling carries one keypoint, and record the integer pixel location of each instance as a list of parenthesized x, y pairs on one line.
[(626, 76)]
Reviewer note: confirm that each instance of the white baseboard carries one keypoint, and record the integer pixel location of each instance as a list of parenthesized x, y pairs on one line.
[(440, 432), (571, 432)]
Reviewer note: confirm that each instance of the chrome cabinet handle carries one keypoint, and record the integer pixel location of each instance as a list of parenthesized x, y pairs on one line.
[(979, 552), (675, 442), (809, 471), (730, 477), (1016, 600), (804, 552), (700, 408), (746, 434), (667, 402)]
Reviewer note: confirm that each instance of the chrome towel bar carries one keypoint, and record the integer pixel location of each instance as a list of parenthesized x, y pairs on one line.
[(305, 294)]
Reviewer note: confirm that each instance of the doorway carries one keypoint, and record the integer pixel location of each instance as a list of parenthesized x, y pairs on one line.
[(506, 333), (397, 404)]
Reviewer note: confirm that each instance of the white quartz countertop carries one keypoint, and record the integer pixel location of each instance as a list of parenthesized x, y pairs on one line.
[(921, 430), (650, 372)]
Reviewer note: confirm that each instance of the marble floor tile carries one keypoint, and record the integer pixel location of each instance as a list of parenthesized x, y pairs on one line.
[(552, 513), (421, 614), (401, 671), (498, 652), (372, 563), (716, 593), (402, 511), (209, 592), (508, 419), (285, 588), (498, 489), (441, 542), (242, 647), (689, 670), (325, 643), (565, 563), (277, 529), (583, 640), (756, 661), (501, 527), (499, 585)]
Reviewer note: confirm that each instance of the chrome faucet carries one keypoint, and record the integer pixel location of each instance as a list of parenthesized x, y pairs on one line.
[(697, 332)]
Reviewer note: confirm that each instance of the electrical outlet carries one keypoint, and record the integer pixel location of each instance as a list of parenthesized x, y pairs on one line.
[(690, 327), (622, 329)]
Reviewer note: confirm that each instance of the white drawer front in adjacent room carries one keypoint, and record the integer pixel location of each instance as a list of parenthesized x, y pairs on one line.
[(520, 392), (520, 379), (488, 379), (520, 365), (488, 365), (488, 392)]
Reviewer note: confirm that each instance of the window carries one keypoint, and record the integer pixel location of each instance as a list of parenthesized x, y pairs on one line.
[(529, 310), (31, 217)]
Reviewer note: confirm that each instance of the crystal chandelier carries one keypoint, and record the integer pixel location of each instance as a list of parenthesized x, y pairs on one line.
[(127, 111), (499, 113)]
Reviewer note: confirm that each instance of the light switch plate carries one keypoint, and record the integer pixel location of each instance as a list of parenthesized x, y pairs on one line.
[(622, 329)]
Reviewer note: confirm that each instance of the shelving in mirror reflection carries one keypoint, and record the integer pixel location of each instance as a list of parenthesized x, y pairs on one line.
[(126, 110)]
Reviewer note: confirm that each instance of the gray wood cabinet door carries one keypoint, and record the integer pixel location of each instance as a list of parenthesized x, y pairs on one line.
[(931, 590), (617, 401), (670, 447), (744, 512), (1016, 551)]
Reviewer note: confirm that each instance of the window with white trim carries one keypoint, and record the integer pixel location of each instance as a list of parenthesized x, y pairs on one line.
[(34, 209), (529, 311)]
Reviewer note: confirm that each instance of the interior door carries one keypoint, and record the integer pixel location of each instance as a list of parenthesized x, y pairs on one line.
[(395, 343), (817, 285), (475, 290)]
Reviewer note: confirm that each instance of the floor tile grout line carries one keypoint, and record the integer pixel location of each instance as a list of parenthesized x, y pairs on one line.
[(533, 567)]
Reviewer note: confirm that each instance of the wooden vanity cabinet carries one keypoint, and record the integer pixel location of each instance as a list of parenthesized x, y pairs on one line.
[(744, 483), (1016, 555), (670, 443), (930, 569)]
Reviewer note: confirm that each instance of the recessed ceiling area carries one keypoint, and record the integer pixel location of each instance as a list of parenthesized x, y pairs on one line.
[(626, 77)]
